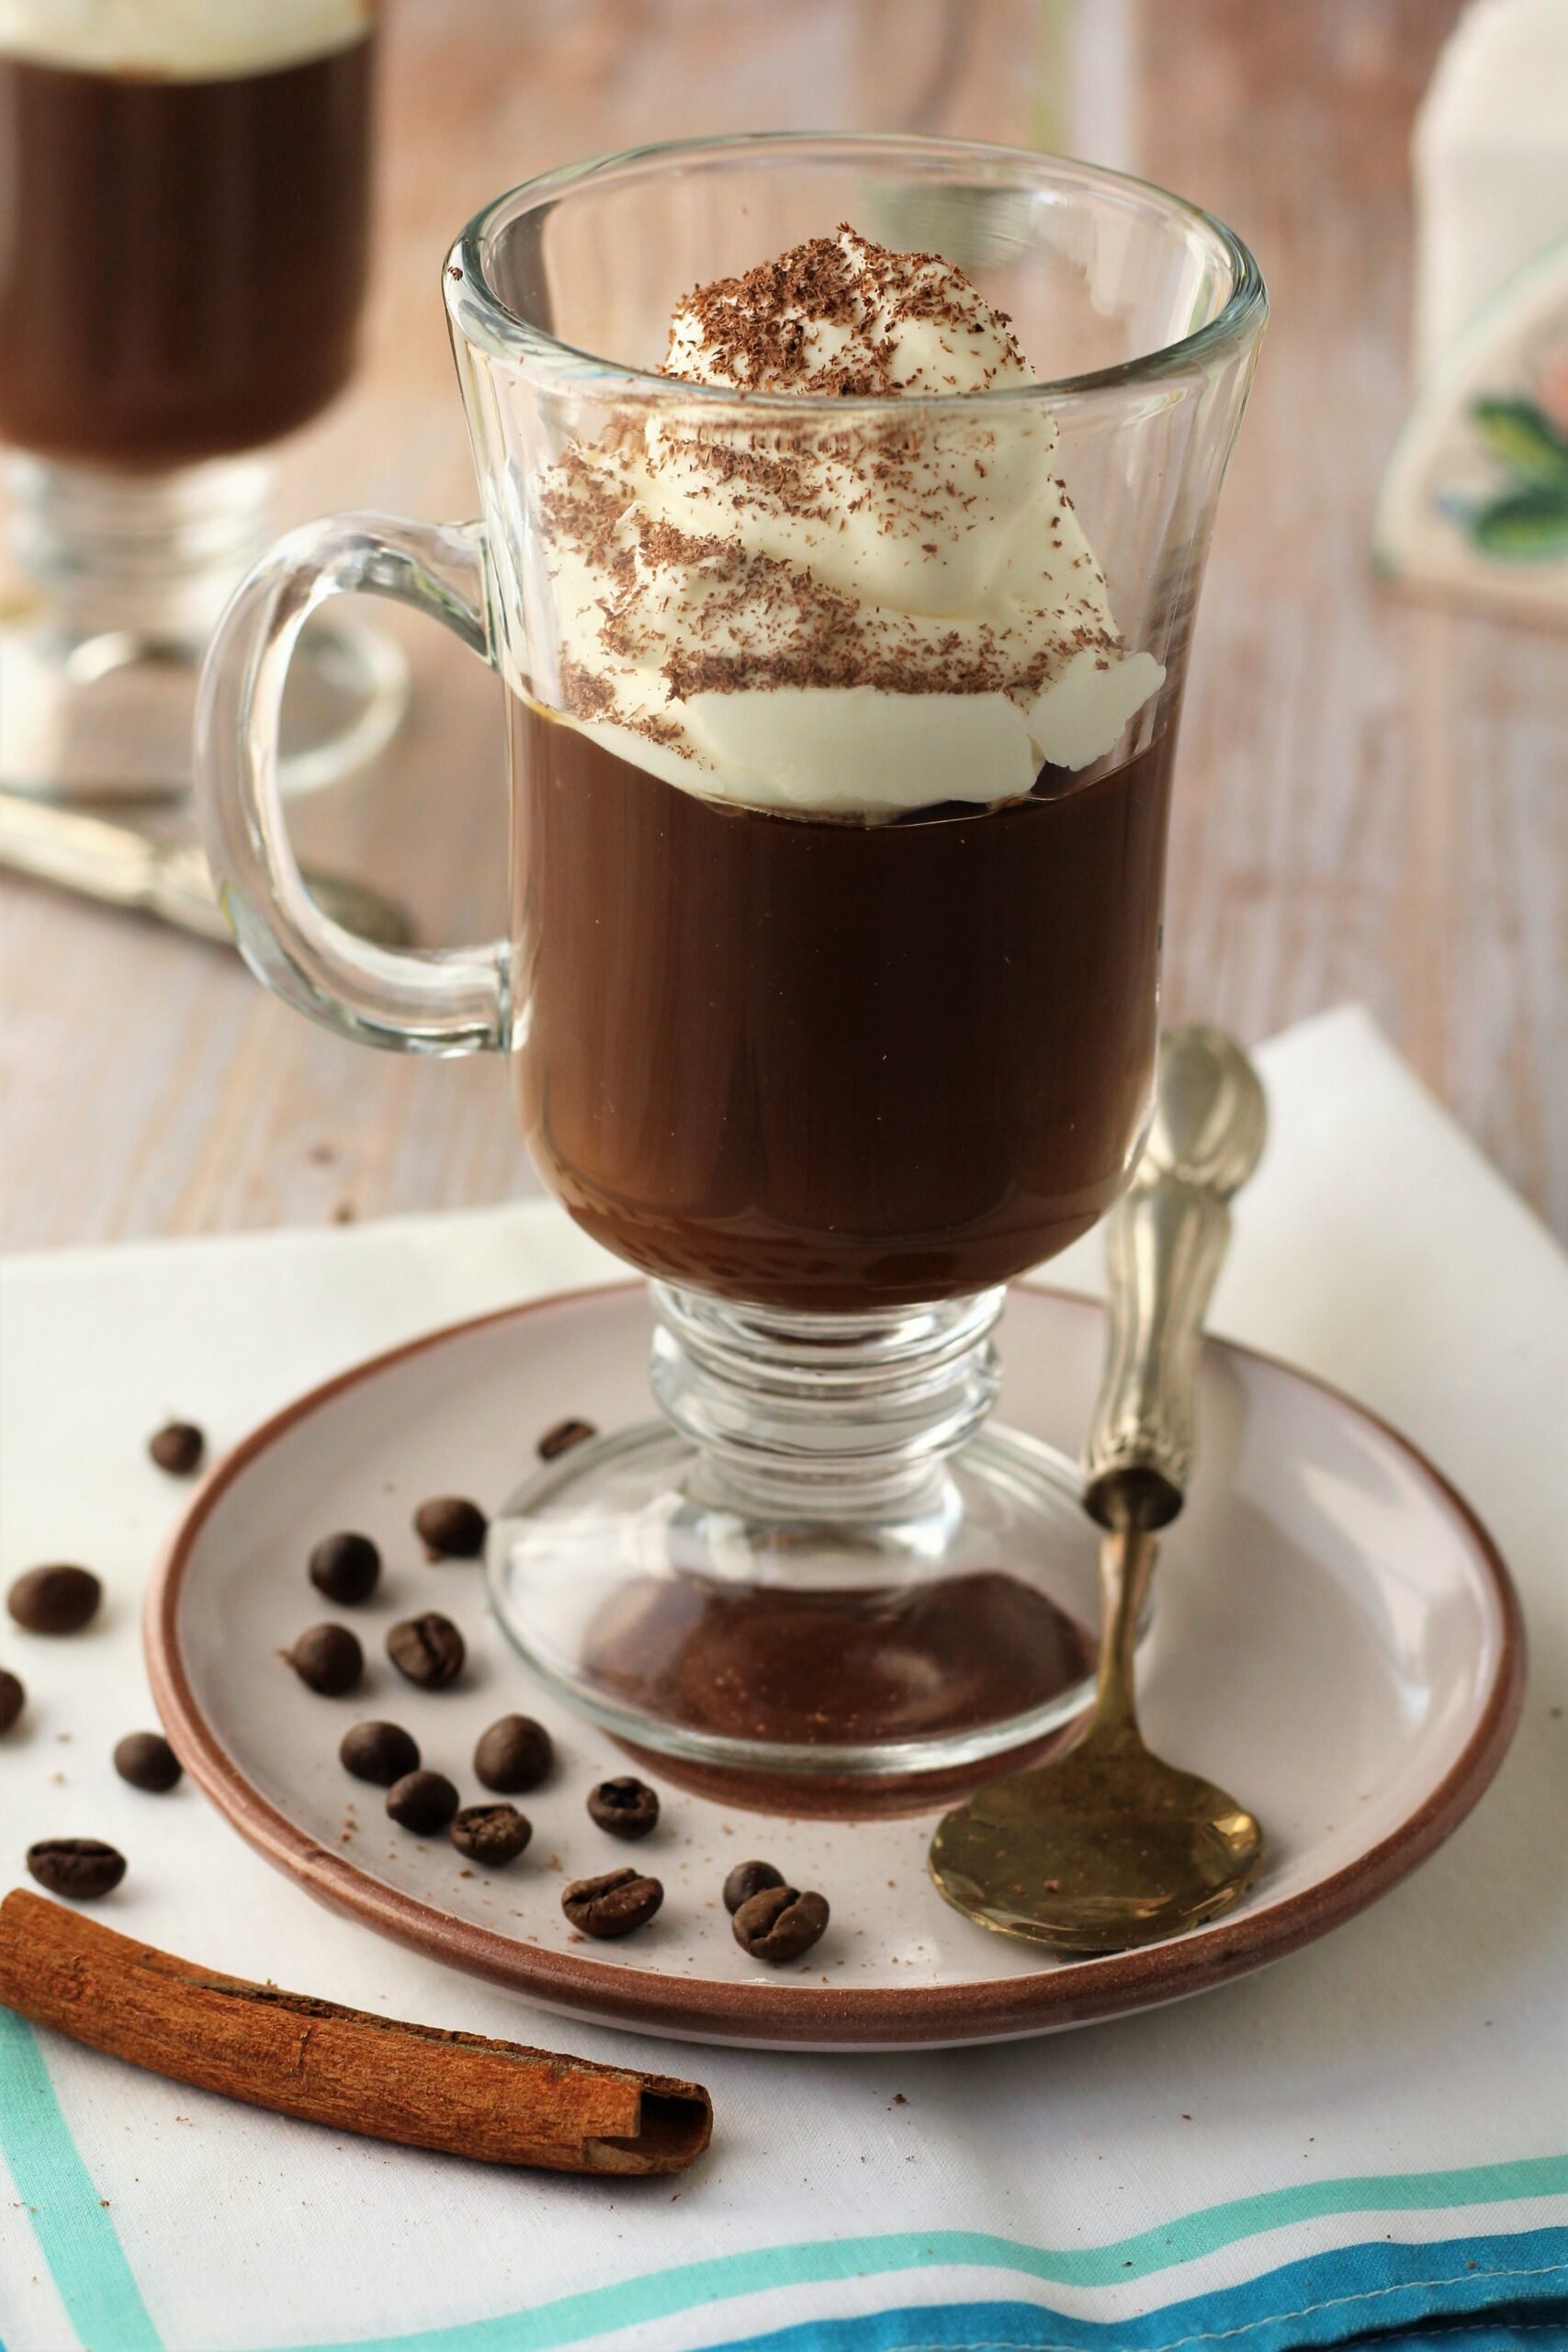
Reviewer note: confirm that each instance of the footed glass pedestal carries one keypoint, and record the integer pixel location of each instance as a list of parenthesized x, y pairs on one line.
[(822, 1563)]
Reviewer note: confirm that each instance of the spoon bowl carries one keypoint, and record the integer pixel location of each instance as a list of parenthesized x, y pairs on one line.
[(1105, 1857), (1105, 1846)]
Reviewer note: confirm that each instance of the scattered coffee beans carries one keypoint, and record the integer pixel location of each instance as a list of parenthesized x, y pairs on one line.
[(748, 1879), (55, 1599), (346, 1568), (329, 1658), (491, 1834), (178, 1448), (563, 1437), (425, 1802), (378, 1752), (83, 1867), (513, 1755), (613, 1905), (147, 1761), (13, 1698), (627, 1808), (451, 1528), (427, 1650), (780, 1924)]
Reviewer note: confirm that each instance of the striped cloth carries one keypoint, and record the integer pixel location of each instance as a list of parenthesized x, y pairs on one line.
[(1363, 2146)]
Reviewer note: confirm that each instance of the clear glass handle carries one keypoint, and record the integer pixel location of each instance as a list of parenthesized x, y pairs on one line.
[(450, 1002)]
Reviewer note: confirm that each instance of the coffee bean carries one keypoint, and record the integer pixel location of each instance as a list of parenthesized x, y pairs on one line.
[(779, 1924), (13, 1699), (147, 1761), (748, 1879), (83, 1867), (346, 1568), (378, 1752), (428, 1650), (613, 1905), (55, 1599), (492, 1834), (627, 1808), (513, 1755), (329, 1658), (451, 1528), (425, 1802), (178, 1448), (563, 1437)]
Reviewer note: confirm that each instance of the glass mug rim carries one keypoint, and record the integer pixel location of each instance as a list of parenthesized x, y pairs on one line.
[(478, 313)]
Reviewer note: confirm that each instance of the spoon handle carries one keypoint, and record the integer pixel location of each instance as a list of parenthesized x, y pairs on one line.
[(113, 859), (1164, 1244), (1126, 1564)]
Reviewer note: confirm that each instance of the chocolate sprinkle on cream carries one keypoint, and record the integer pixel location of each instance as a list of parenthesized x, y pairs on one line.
[(765, 329), (842, 610)]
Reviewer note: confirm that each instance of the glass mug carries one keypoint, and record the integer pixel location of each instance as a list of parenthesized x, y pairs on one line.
[(832, 987)]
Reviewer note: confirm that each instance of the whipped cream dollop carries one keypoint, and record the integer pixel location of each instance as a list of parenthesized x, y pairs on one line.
[(186, 40), (862, 613)]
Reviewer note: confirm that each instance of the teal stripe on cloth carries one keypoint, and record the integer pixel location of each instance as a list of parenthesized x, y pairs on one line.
[(664, 2294), (75, 2231)]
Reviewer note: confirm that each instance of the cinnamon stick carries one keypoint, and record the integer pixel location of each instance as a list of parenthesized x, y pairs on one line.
[(419, 2085)]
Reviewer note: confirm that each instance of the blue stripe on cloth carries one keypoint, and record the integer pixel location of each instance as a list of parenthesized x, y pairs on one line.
[(73, 2227), (1372, 2294), (664, 2294), (1499, 2331)]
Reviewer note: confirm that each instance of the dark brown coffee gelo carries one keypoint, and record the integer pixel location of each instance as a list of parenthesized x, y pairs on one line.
[(182, 263), (829, 1065)]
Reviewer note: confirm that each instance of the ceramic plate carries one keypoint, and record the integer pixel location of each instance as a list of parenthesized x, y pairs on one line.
[(1336, 1640)]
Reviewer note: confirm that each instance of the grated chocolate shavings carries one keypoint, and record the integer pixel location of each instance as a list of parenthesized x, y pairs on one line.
[(686, 546)]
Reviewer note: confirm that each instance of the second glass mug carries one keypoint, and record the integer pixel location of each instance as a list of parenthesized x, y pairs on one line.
[(184, 246), (820, 1012)]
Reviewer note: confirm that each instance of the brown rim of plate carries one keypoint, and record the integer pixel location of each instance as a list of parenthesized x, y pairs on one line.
[(819, 2016)]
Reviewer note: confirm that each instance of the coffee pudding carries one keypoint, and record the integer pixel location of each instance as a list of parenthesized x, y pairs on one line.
[(839, 863), (812, 1063), (185, 232)]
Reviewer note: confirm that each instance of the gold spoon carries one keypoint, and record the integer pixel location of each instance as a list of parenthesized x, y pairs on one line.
[(1105, 1845)]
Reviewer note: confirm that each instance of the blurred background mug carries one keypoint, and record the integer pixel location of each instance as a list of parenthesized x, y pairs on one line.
[(184, 241)]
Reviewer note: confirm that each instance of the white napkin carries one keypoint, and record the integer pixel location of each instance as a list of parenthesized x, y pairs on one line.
[(1312, 2153)]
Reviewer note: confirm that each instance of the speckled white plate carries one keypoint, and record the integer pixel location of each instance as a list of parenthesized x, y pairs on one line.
[(1336, 1641)]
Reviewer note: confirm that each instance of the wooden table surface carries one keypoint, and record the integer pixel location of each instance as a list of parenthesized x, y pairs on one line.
[(1372, 798)]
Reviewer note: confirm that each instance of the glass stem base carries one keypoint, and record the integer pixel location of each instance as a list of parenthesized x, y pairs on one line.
[(823, 1561), (121, 579), (824, 1418)]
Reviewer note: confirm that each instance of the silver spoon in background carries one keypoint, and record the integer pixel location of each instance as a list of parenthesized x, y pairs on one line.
[(1105, 1845), (111, 859)]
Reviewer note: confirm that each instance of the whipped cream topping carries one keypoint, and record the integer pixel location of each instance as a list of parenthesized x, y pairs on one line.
[(852, 615), (188, 40)]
